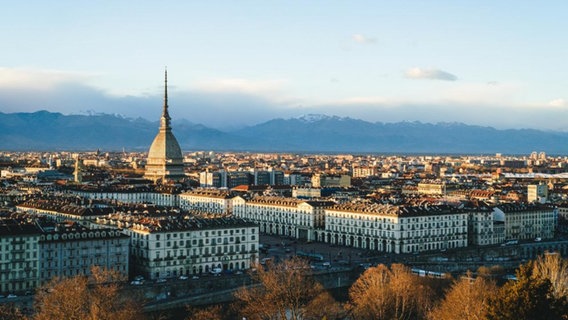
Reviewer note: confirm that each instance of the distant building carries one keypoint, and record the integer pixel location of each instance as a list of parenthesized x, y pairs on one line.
[(165, 159), (323, 180), (537, 193), (212, 201)]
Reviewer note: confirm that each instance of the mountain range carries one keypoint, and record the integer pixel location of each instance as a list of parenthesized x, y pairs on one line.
[(45, 130)]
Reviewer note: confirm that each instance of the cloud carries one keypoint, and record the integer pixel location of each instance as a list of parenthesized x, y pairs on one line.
[(359, 38), (433, 74), (232, 103), (558, 103), (240, 85), (38, 79)]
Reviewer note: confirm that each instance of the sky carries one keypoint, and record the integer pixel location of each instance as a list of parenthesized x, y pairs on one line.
[(237, 63)]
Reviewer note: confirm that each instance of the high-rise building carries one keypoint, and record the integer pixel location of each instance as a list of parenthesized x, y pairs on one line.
[(165, 160)]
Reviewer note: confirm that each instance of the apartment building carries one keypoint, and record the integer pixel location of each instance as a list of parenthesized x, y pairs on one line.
[(289, 217), (19, 252), (526, 221), (396, 229), (212, 201), (70, 249), (180, 245)]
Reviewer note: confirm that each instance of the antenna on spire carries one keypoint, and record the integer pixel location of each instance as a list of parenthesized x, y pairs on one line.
[(165, 123), (166, 87)]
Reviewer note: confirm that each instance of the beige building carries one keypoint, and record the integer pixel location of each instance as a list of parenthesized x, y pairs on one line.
[(526, 221), (211, 201), (289, 217), (363, 172), (323, 180), (483, 229), (165, 159), (396, 229), (537, 193)]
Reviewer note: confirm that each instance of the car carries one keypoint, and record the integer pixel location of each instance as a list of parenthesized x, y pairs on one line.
[(138, 278), (137, 282), (161, 280), (238, 272), (195, 278), (537, 239), (183, 277), (12, 296)]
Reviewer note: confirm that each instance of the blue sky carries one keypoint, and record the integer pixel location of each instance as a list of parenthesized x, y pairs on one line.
[(235, 63)]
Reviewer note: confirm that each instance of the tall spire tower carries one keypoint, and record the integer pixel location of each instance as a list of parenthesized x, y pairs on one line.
[(165, 160)]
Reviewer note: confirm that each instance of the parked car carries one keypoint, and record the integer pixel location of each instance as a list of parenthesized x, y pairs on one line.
[(12, 296), (183, 277), (195, 278)]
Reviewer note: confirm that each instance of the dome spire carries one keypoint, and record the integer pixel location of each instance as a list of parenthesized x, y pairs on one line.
[(165, 123)]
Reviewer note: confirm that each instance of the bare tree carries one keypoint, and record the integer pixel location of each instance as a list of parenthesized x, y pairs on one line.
[(383, 293), (467, 299), (555, 269), (283, 291), (324, 306), (209, 313), (80, 297)]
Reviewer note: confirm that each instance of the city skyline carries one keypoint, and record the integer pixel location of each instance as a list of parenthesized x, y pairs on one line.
[(235, 64)]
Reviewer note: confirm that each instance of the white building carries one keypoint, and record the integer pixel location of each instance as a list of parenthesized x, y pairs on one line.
[(211, 201), (157, 198), (396, 229), (284, 216), (174, 246)]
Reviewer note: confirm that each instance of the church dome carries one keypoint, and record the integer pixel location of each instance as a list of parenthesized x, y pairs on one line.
[(165, 159)]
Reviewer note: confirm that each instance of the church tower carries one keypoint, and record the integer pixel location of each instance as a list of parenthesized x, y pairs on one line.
[(165, 160)]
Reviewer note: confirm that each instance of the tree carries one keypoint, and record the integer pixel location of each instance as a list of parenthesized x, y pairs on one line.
[(283, 291), (80, 297), (11, 312), (529, 297), (467, 299), (324, 306), (209, 313), (555, 269), (395, 293)]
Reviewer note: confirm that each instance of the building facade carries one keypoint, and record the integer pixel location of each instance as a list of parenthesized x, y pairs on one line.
[(526, 221), (19, 254), (71, 249), (174, 246), (396, 229), (210, 201), (289, 217)]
